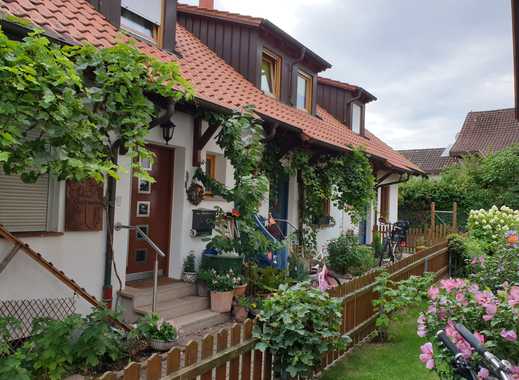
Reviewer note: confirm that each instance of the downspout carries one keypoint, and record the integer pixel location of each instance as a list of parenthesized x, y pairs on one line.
[(111, 187), (354, 99)]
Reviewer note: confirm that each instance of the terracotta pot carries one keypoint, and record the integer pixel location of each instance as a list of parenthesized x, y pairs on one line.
[(221, 302), (202, 289), (240, 290), (240, 313)]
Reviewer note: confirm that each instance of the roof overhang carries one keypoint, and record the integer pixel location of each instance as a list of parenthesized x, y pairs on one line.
[(356, 90)]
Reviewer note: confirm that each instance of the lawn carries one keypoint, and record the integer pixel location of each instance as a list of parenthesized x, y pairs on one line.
[(397, 359)]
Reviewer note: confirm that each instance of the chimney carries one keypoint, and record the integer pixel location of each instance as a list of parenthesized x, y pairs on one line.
[(209, 4), (169, 23), (111, 9)]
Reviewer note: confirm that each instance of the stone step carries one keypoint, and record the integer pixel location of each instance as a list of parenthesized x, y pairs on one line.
[(200, 320), (177, 307), (165, 293)]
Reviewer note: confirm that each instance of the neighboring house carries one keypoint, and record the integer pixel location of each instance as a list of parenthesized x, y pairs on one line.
[(66, 222), (432, 161)]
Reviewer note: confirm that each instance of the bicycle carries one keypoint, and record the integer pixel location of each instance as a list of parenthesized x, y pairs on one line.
[(394, 242), (498, 369), (321, 276)]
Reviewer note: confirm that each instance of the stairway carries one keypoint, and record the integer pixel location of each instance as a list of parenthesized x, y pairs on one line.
[(177, 303)]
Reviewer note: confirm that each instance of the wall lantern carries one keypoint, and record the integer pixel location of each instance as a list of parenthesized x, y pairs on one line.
[(168, 128)]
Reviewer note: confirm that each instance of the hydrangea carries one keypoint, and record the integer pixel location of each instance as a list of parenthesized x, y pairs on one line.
[(492, 225)]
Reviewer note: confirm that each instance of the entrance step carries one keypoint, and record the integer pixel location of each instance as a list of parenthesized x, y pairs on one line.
[(177, 303), (200, 320)]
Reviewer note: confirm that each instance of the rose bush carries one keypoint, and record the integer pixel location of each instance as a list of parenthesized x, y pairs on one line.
[(492, 317), (491, 226)]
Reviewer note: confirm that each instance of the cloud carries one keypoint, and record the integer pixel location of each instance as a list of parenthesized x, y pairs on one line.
[(428, 62)]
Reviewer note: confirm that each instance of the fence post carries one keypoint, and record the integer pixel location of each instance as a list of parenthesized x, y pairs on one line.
[(455, 216), (433, 214), (426, 264)]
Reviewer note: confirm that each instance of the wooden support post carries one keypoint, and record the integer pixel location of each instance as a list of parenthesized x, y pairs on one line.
[(200, 140), (455, 216)]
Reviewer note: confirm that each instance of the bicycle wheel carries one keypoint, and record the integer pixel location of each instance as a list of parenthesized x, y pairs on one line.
[(383, 252), (397, 252)]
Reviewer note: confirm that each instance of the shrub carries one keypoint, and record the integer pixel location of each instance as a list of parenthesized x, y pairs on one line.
[(492, 317), (346, 255), (298, 325), (189, 263), (221, 282), (458, 255), (490, 226), (267, 280), (151, 327), (496, 271)]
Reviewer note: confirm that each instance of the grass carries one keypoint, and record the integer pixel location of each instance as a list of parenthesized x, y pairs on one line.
[(397, 359)]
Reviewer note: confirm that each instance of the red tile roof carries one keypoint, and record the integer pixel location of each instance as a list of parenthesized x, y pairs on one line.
[(213, 80), (432, 161), (486, 132), (336, 83)]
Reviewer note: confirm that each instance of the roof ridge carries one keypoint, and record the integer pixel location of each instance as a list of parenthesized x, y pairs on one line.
[(495, 110)]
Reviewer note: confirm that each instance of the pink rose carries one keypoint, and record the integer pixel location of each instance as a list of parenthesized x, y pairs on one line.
[(452, 283), (490, 310), (509, 335), (513, 296), (427, 355)]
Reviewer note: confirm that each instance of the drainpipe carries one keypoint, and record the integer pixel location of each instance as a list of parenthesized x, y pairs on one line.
[(111, 187), (354, 99)]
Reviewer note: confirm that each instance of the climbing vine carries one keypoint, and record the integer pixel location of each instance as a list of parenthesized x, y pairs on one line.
[(62, 107), (346, 180), (240, 138)]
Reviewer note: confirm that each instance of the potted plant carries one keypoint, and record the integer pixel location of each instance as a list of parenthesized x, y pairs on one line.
[(240, 285), (241, 308), (189, 274), (203, 278), (160, 335), (222, 291)]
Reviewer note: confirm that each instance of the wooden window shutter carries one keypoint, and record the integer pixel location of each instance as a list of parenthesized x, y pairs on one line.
[(84, 206)]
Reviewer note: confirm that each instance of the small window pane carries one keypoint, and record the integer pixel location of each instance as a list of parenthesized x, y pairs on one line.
[(137, 24), (355, 118), (302, 92), (267, 76)]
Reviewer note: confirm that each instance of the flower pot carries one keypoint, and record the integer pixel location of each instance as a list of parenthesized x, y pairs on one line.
[(160, 345), (240, 290), (221, 302), (240, 313), (202, 289), (189, 277)]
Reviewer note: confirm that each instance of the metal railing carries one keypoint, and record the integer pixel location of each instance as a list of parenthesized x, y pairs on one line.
[(158, 251)]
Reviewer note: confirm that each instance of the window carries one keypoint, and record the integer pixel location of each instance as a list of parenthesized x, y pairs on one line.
[(304, 91), (215, 167), (270, 81), (138, 25), (210, 166), (356, 118), (29, 207)]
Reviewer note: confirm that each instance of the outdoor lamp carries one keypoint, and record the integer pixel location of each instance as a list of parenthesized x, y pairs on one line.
[(168, 128)]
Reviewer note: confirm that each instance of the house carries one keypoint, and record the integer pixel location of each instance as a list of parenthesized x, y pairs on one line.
[(431, 160), (482, 133), (65, 222)]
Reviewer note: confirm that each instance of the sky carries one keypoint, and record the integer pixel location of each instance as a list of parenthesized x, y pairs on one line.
[(429, 63)]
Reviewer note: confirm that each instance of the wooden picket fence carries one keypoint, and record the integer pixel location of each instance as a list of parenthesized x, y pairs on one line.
[(418, 237), (231, 355)]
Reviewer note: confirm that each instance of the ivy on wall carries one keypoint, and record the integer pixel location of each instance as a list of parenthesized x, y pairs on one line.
[(347, 180), (62, 107)]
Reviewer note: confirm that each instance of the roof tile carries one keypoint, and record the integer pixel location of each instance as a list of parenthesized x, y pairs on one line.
[(432, 161)]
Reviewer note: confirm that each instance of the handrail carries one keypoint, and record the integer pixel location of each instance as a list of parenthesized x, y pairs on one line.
[(158, 251)]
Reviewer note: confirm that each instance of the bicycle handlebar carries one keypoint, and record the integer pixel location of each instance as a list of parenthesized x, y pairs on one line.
[(445, 340), (470, 338)]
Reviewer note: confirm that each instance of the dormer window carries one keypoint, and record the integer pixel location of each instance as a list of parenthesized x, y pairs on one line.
[(270, 81), (356, 118), (304, 91)]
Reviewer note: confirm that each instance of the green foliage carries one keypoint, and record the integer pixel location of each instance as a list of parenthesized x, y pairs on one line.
[(11, 361), (240, 138), (151, 327), (490, 226), (204, 276), (298, 325), (458, 254), (395, 296), (496, 270), (347, 255), (347, 180), (267, 280), (62, 107), (476, 183), (189, 263), (377, 244)]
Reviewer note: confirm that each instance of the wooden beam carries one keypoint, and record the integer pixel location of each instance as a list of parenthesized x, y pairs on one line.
[(9, 257), (200, 140)]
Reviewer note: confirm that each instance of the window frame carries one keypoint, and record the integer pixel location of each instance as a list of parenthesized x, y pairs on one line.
[(309, 88), (275, 61), (210, 159), (361, 118), (156, 30)]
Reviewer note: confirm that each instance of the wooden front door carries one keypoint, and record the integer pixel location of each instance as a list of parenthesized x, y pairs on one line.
[(151, 210)]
